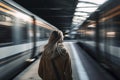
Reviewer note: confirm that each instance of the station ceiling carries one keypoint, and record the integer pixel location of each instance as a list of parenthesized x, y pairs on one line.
[(66, 15), (57, 12)]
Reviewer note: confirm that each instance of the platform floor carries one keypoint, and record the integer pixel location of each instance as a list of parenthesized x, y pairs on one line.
[(83, 67)]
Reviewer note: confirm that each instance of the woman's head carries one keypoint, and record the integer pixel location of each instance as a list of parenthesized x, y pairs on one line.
[(56, 37)]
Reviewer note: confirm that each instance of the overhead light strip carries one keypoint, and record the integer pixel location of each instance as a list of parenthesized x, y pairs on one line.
[(84, 8)]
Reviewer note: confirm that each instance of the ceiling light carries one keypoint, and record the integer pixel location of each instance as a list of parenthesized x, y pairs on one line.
[(95, 1), (79, 18), (86, 9), (84, 5), (92, 26), (79, 13)]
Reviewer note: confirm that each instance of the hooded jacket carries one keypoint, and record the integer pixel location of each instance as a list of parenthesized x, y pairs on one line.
[(55, 68)]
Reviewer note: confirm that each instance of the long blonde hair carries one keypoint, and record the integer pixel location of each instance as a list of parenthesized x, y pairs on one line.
[(55, 39)]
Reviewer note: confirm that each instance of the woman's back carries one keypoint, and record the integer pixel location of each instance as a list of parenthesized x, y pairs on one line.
[(57, 67), (55, 62)]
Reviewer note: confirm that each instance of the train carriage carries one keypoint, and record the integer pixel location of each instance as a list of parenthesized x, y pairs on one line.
[(22, 37), (100, 33)]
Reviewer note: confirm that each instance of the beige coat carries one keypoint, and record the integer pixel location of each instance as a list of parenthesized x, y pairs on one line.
[(62, 64)]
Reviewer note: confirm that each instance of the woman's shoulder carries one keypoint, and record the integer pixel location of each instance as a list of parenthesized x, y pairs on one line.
[(63, 49)]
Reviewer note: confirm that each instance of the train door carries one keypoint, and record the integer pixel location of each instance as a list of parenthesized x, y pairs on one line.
[(33, 36), (104, 41), (101, 40), (107, 33), (112, 41), (38, 41)]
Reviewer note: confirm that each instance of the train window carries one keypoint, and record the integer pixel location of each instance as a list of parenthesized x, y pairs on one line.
[(24, 31), (90, 36), (113, 31), (5, 28), (43, 33), (21, 31), (46, 33), (82, 34), (38, 33)]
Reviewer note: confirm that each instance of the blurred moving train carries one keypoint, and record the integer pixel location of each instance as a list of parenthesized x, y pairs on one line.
[(22, 36), (100, 36)]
